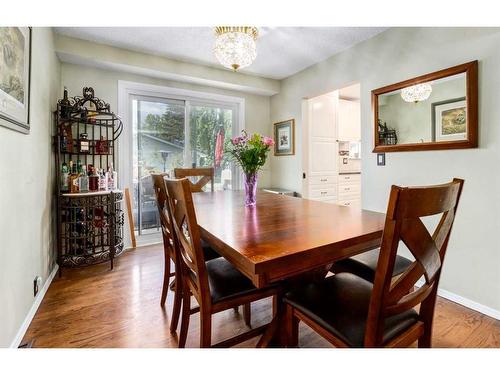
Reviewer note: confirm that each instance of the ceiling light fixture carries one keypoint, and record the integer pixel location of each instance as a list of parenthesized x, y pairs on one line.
[(235, 46), (416, 93)]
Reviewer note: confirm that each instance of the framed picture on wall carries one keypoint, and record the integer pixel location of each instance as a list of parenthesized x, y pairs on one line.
[(284, 138), (15, 70), (449, 120)]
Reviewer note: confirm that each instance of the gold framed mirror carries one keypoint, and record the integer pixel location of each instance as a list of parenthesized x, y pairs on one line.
[(435, 111)]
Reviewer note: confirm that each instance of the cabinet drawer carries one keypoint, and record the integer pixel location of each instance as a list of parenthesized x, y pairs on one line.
[(330, 191), (349, 178), (349, 202), (322, 180), (349, 189)]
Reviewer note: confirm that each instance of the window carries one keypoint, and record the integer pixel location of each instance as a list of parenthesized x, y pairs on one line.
[(170, 131)]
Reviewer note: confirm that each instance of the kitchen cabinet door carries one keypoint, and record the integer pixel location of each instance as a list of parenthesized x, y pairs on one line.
[(349, 121)]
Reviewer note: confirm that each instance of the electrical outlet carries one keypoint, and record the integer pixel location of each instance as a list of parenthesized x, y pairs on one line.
[(36, 285)]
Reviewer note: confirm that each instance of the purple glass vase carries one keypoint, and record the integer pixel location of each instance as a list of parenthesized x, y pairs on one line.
[(250, 189)]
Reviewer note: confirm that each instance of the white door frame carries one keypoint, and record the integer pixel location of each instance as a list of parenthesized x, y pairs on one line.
[(125, 143)]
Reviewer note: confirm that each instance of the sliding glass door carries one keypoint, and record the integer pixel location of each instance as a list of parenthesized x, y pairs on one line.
[(171, 133), (158, 139), (210, 126)]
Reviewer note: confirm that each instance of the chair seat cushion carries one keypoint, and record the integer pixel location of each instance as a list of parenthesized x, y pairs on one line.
[(225, 281), (340, 305), (365, 264), (208, 251)]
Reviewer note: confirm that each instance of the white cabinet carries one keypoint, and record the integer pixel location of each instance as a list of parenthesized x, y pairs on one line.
[(349, 120), (323, 180), (329, 191), (348, 178), (320, 138), (323, 160), (349, 190), (322, 117)]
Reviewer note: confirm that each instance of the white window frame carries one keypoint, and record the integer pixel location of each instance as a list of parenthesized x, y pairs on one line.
[(126, 89)]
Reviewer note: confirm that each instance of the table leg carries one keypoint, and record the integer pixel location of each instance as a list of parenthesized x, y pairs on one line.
[(275, 334), (280, 336)]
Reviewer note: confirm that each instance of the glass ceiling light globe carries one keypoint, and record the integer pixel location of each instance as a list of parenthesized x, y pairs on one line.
[(416, 93), (235, 46)]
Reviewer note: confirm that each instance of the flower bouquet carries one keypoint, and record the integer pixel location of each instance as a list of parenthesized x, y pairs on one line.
[(250, 152)]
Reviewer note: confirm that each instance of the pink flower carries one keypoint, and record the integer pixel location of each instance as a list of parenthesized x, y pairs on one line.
[(268, 141), (238, 140)]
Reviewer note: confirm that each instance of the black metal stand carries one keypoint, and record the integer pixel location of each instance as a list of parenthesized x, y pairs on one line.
[(90, 224)]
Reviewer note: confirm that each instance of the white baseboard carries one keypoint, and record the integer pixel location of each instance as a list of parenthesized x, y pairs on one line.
[(466, 302), (36, 303)]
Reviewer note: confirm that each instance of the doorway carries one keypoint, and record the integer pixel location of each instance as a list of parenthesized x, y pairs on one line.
[(332, 147)]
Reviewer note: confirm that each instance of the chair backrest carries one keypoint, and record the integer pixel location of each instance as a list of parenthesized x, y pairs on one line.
[(403, 223), (191, 257), (206, 174), (164, 211)]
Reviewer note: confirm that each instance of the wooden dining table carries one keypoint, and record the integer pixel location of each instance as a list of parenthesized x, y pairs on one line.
[(283, 237)]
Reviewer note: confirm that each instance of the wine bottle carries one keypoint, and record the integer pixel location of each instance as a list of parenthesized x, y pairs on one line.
[(93, 179), (65, 104)]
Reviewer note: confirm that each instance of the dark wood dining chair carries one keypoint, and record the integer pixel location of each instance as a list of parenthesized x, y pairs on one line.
[(170, 249), (351, 312), (365, 265), (206, 176), (166, 230), (216, 284)]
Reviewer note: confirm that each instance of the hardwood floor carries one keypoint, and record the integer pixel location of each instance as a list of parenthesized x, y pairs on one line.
[(96, 307)]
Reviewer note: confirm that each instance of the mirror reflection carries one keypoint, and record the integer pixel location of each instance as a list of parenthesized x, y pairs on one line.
[(433, 111)]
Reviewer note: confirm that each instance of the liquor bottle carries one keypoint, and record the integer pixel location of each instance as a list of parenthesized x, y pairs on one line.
[(109, 177), (73, 179), (93, 179), (84, 143), (64, 177), (102, 146), (84, 180), (103, 182), (112, 178)]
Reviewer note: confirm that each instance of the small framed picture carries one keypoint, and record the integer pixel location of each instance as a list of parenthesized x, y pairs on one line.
[(449, 120), (284, 138), (15, 68)]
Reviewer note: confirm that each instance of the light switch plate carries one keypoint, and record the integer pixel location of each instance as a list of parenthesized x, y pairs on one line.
[(381, 159)]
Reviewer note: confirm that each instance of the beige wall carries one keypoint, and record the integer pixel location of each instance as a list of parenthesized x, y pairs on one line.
[(472, 268), (26, 193), (105, 84)]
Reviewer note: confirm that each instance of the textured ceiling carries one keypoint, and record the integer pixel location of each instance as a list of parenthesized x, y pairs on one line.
[(281, 51)]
